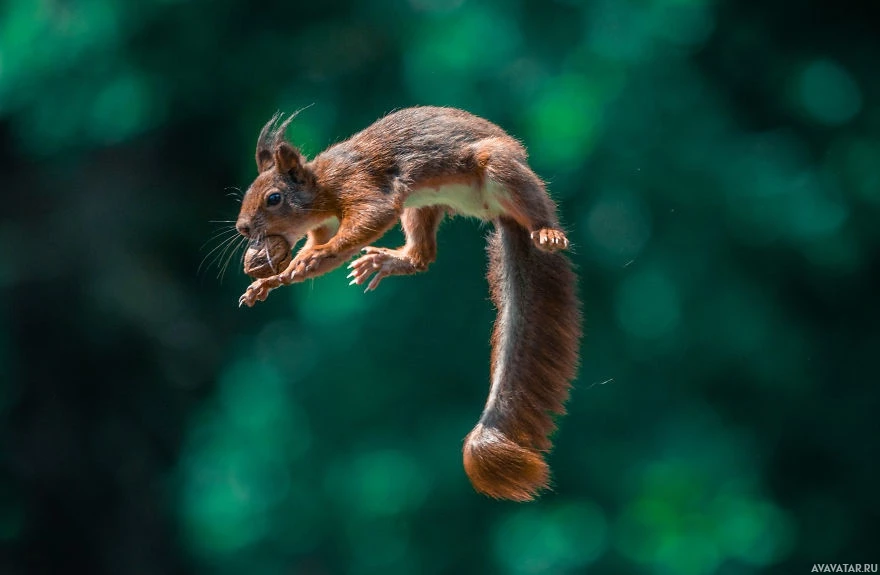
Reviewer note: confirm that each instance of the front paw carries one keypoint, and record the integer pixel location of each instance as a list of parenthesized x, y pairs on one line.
[(306, 265), (382, 262), (259, 290)]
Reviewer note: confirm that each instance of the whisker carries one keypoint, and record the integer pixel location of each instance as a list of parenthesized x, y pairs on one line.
[(222, 244), (217, 235), (269, 257), (226, 228), (223, 227), (237, 247), (218, 260), (232, 249), (241, 248), (222, 241), (222, 256), (230, 225), (243, 253)]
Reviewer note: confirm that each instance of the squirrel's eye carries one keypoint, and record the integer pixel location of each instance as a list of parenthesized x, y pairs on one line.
[(273, 199)]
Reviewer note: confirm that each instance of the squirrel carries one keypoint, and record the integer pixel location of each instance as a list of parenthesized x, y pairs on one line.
[(416, 165)]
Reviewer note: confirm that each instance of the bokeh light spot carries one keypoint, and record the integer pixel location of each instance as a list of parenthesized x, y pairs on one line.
[(236, 462), (813, 210), (379, 483), (690, 515), (648, 305), (862, 167), (828, 93), (565, 121), (555, 540), (122, 108), (619, 226), (332, 304), (635, 536), (254, 399), (221, 509), (755, 531), (455, 49), (617, 30)]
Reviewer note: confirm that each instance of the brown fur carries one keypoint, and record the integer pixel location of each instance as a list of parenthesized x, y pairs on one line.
[(363, 184), (502, 455)]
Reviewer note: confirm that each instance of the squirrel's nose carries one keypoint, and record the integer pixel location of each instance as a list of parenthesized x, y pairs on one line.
[(243, 229)]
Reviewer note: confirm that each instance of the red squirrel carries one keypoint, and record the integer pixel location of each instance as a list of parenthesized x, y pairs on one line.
[(415, 166)]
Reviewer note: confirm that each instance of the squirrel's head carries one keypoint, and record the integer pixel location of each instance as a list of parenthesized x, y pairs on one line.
[(279, 201)]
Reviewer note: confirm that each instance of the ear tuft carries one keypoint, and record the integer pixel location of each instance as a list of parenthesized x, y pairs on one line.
[(270, 141)]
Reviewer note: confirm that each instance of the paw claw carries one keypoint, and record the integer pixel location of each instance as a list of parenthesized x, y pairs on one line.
[(549, 239), (379, 263)]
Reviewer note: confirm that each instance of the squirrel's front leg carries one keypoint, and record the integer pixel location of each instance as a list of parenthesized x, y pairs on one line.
[(359, 229)]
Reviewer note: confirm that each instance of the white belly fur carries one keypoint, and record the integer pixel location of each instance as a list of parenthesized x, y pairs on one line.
[(468, 200)]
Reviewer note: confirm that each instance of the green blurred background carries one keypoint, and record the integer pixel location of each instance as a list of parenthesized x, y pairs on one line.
[(716, 162)]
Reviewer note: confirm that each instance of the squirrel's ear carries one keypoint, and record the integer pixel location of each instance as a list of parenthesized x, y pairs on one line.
[(264, 160), (288, 158)]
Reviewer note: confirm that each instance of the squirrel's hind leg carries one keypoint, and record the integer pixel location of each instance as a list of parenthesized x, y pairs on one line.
[(526, 200), (420, 226)]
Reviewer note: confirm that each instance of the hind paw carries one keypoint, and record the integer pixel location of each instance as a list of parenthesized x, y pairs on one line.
[(550, 239)]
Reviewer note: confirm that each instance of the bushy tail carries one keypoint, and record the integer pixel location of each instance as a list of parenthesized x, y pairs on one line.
[(534, 358)]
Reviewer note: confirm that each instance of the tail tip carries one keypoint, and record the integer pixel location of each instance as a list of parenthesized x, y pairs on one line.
[(502, 469)]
